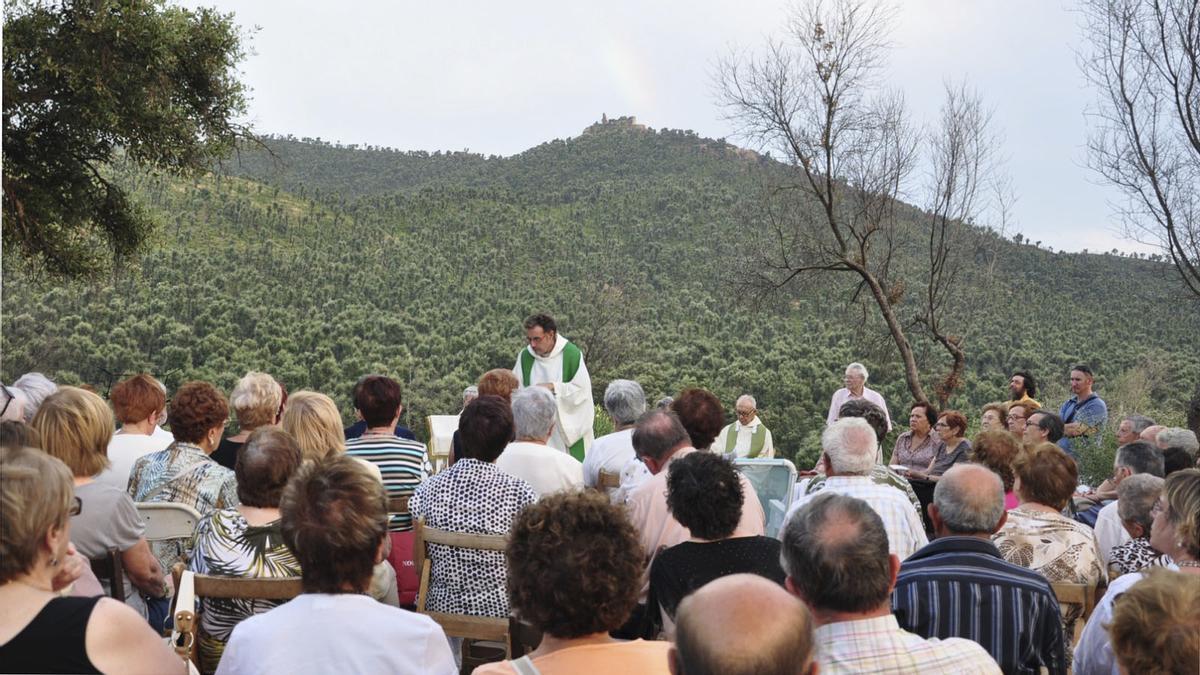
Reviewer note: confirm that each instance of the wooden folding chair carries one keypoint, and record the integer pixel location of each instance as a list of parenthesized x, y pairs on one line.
[(608, 480), (398, 504), (190, 587), (108, 568), (1077, 594), (523, 637), (483, 628)]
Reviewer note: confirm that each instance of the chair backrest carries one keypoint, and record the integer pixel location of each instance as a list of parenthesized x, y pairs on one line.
[(190, 587), (108, 568), (457, 625), (523, 637), (1077, 594), (398, 504), (773, 481), (168, 520), (441, 434), (608, 480)]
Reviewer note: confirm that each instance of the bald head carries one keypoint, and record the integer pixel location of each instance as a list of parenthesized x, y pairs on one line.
[(968, 500), (774, 635), (658, 434), (1150, 435)]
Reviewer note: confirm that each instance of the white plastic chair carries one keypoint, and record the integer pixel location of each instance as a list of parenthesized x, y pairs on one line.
[(774, 481), (168, 520)]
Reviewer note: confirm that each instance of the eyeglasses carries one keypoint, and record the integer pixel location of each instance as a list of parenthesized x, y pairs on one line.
[(1014, 417), (8, 401), (1159, 507), (745, 413), (76, 507), (941, 425)]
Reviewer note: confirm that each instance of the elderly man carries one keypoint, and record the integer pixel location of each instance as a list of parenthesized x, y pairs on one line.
[(1131, 427), (960, 586), (856, 387), (1084, 414), (1150, 433), (774, 633), (835, 553), (556, 364), (747, 436), (613, 453), (1131, 459), (1043, 427), (1178, 437), (1022, 387), (659, 438), (848, 453), (529, 458)]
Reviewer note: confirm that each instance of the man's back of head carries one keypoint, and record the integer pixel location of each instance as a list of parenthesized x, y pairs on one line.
[(1140, 457), (658, 434), (850, 444), (968, 500), (835, 553), (774, 633)]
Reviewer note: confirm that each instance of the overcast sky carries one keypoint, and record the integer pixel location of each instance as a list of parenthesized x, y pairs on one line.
[(501, 77)]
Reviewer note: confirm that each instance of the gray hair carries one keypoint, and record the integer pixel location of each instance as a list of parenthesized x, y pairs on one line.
[(851, 445), (256, 399), (1140, 457), (860, 369), (534, 412), (625, 401), (1139, 423), (36, 388), (964, 505), (746, 397), (657, 432), (1171, 437), (1136, 496), (470, 394), (835, 550)]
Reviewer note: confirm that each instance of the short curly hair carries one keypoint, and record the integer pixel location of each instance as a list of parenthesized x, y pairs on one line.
[(701, 414), (574, 564), (196, 408), (997, 450), (1182, 491), (498, 382), (1048, 475), (955, 419), (705, 494)]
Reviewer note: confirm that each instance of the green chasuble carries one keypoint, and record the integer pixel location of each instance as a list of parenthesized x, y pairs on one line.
[(571, 358)]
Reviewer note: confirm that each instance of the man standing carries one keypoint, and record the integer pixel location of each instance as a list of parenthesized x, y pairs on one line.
[(553, 362), (1022, 387), (856, 387), (835, 553), (1084, 414), (959, 586), (748, 436)]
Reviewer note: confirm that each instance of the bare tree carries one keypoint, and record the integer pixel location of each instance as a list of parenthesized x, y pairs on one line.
[(850, 151), (1145, 62)]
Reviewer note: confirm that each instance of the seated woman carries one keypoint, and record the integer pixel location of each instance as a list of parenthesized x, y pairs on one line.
[(1175, 532), (138, 403), (916, 448), (992, 417), (498, 382), (76, 426), (40, 631), (473, 497), (595, 589), (1136, 497), (257, 401), (334, 516), (705, 496), (245, 541), (1038, 536), (1156, 626), (950, 429), (997, 450)]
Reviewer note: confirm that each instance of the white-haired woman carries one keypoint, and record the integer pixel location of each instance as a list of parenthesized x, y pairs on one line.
[(257, 400), (856, 387)]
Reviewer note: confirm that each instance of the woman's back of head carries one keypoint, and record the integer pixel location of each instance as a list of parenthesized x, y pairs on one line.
[(312, 418), (75, 426)]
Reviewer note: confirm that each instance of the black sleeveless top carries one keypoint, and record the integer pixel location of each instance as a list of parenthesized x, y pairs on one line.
[(54, 642)]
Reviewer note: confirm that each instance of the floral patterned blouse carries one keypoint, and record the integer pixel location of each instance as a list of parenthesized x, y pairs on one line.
[(916, 457)]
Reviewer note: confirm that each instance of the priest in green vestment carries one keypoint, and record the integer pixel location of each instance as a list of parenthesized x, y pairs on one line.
[(554, 362), (748, 436)]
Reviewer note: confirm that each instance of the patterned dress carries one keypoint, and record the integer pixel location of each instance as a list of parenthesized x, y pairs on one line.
[(226, 545), (917, 457), (472, 497), (1058, 548), (182, 474), (1134, 556)]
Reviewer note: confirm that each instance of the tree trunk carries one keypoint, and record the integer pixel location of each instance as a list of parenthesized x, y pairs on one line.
[(911, 375)]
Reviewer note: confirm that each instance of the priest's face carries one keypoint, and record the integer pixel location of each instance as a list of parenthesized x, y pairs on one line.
[(541, 341)]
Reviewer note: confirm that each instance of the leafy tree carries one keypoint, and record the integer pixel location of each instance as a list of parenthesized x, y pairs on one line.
[(1145, 62), (88, 81)]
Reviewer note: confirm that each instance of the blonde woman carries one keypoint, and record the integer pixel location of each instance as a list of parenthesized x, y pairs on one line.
[(312, 418), (256, 401)]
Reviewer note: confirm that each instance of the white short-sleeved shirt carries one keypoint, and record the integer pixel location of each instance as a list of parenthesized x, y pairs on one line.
[(546, 469), (905, 531), (614, 453), (124, 450), (346, 633), (1110, 533)]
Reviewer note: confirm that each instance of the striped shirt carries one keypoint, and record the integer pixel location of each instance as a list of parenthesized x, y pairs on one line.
[(402, 463), (879, 645), (961, 587)]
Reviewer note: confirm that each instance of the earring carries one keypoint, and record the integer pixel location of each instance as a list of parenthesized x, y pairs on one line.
[(54, 562)]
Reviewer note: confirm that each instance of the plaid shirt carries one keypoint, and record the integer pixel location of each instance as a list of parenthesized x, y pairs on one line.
[(905, 531), (878, 645)]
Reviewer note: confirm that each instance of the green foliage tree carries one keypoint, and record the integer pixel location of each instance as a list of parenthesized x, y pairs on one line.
[(86, 81)]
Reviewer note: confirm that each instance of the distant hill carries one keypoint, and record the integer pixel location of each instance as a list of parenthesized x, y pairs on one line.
[(319, 263)]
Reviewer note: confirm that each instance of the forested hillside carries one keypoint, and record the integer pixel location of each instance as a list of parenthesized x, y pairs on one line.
[(319, 264)]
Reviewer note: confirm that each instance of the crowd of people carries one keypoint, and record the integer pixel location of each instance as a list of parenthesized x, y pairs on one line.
[(644, 550)]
